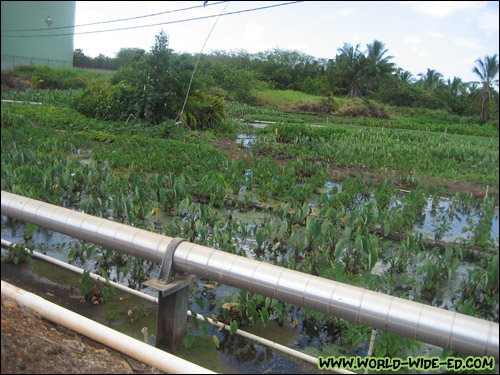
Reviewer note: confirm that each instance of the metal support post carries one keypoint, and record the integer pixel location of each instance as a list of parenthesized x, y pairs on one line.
[(173, 294)]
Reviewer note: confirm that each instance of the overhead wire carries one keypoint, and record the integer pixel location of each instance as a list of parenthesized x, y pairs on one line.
[(121, 19), (179, 117), (156, 24)]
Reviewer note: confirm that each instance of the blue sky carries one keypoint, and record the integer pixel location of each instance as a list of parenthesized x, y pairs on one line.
[(446, 36)]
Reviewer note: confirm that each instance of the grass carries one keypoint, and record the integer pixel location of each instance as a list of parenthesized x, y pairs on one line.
[(285, 100)]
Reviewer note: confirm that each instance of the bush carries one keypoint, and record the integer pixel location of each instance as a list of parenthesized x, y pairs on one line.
[(363, 108), (53, 78), (203, 111), (402, 94), (107, 102)]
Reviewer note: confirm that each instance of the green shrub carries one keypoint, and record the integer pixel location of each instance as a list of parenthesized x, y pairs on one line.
[(406, 95), (53, 78), (107, 102), (203, 111)]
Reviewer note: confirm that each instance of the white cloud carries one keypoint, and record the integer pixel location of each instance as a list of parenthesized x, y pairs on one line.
[(423, 54), (346, 12), (489, 22), (436, 35), (253, 32), (412, 40), (467, 43), (440, 9), (356, 38), (337, 14)]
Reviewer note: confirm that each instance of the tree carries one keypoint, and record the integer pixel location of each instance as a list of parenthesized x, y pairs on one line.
[(405, 75), (487, 70), (378, 65), (80, 59), (127, 56), (349, 66), (430, 80)]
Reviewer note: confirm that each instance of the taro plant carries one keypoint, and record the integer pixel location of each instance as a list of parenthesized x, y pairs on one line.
[(19, 253), (245, 308), (436, 269), (94, 291), (480, 289), (390, 344)]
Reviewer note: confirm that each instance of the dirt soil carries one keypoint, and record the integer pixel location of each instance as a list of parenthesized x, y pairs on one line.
[(31, 344)]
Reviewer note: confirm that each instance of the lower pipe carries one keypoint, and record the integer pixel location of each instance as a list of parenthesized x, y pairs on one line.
[(432, 325), (125, 344), (278, 347)]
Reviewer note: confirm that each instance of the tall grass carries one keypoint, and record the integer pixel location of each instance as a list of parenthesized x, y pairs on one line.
[(56, 98), (54, 78)]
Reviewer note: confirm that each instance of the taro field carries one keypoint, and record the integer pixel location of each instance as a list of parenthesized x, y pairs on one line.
[(405, 210)]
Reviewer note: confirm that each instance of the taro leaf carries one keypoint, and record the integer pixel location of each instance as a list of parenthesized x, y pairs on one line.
[(359, 243), (199, 302), (373, 258), (387, 228), (216, 341), (356, 339), (325, 227), (194, 319), (348, 231), (234, 327), (339, 248), (393, 345), (104, 274), (380, 351), (204, 330), (29, 231), (267, 303), (251, 306), (259, 237), (265, 317), (188, 340), (383, 340)]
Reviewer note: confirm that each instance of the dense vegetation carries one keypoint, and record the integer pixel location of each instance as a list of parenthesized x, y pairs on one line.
[(128, 147)]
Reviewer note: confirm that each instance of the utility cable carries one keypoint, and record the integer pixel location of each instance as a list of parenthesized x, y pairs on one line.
[(179, 117), (156, 24), (120, 20)]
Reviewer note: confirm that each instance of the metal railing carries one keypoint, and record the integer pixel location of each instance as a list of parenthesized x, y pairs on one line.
[(432, 325)]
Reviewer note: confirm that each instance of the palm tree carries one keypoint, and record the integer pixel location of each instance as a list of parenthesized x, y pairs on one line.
[(456, 87), (350, 65), (487, 70), (378, 65), (431, 79), (405, 75)]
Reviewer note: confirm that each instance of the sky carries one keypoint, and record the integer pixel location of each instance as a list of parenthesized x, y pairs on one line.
[(447, 36)]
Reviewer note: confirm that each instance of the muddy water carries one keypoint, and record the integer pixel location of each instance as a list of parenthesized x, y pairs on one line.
[(236, 354), (129, 314)]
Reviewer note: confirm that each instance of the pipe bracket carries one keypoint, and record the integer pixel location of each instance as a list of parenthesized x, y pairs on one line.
[(166, 270), (166, 283)]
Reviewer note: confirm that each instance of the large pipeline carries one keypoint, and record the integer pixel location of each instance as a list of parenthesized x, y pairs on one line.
[(260, 340), (443, 328), (127, 345)]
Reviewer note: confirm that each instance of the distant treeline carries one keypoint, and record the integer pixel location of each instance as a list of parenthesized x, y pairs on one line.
[(352, 73)]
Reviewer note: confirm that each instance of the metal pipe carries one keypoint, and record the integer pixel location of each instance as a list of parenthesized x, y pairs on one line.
[(443, 328), (127, 345), (69, 267), (294, 353)]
